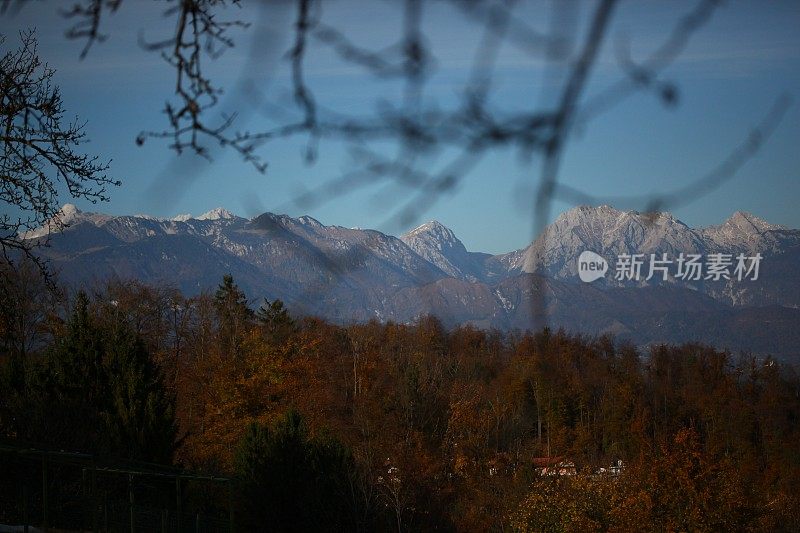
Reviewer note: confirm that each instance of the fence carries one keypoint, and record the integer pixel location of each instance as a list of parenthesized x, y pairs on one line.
[(78, 491)]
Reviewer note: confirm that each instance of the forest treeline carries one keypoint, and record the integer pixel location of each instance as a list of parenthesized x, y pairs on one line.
[(399, 427)]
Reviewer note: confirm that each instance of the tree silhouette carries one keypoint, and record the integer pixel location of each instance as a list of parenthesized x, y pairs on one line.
[(39, 149), (233, 313), (96, 390), (276, 320), (291, 481)]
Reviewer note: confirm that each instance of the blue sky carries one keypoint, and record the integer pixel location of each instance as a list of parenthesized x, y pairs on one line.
[(728, 78)]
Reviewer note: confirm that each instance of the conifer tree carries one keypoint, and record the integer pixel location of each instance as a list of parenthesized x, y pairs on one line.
[(233, 314), (293, 482), (276, 320), (97, 390), (140, 420)]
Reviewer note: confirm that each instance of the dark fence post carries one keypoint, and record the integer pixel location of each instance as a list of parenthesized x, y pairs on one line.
[(44, 492), (178, 500), (25, 517), (130, 499), (230, 506), (94, 496), (87, 502)]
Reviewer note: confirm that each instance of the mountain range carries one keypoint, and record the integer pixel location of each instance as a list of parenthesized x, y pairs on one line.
[(347, 275)]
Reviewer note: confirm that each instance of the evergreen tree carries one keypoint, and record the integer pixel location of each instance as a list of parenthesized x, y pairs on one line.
[(233, 314), (291, 482), (66, 394), (140, 420), (98, 391), (276, 320)]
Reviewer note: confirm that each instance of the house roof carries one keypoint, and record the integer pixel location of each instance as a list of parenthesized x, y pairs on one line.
[(547, 461)]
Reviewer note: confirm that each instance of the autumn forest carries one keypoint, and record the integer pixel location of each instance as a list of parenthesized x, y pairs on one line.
[(383, 426)]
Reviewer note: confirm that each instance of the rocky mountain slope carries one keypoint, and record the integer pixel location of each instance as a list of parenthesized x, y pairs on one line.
[(354, 275)]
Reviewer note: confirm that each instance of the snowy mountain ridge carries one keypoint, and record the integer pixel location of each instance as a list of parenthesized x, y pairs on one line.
[(431, 251), (611, 232), (346, 275)]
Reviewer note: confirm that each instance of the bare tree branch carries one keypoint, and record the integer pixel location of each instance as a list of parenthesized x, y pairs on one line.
[(89, 16), (39, 150)]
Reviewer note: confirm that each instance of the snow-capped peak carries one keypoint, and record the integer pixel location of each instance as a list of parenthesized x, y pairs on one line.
[(216, 214), (182, 217), (435, 229), (68, 212), (747, 223), (603, 230), (439, 245), (742, 230), (311, 221), (65, 216), (588, 211)]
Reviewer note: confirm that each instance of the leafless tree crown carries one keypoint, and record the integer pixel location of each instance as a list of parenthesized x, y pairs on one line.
[(39, 148)]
